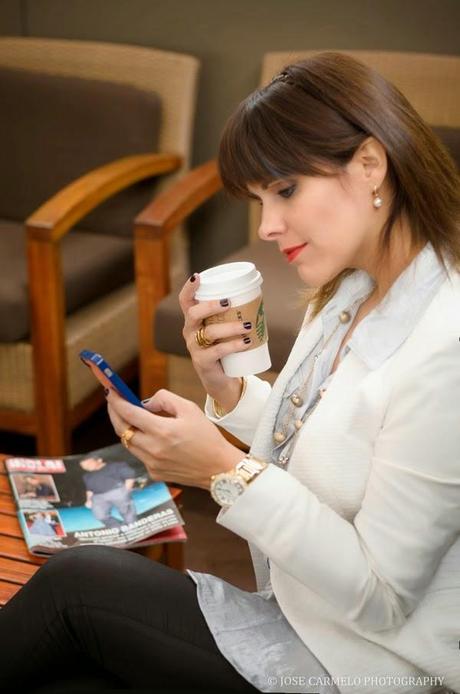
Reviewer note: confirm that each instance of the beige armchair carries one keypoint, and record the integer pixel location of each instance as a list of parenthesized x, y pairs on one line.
[(83, 125), (431, 83)]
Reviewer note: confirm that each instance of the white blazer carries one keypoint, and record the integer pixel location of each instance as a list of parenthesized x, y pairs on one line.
[(362, 531)]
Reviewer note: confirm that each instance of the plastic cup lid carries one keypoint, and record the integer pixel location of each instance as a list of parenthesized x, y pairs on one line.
[(228, 280)]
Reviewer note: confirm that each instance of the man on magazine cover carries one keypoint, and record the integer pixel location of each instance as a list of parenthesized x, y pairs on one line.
[(109, 485), (36, 488)]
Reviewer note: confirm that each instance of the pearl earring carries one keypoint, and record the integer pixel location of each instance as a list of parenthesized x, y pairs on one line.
[(377, 201)]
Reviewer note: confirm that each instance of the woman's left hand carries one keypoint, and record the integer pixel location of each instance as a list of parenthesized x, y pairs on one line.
[(185, 447)]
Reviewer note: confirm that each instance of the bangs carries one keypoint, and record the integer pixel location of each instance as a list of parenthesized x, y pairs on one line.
[(261, 143)]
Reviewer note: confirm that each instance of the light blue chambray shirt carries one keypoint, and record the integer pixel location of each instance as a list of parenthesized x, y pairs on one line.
[(249, 628)]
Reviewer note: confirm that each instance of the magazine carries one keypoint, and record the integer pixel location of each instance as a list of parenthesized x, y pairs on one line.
[(105, 497)]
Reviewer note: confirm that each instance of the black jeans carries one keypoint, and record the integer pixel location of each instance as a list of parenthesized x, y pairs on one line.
[(106, 618)]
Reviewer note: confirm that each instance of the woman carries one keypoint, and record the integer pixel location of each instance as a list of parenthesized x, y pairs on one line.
[(350, 498)]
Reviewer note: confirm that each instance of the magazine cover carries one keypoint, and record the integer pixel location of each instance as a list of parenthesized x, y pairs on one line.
[(104, 497)]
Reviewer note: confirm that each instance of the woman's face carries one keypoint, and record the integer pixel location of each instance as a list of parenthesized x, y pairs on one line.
[(323, 224)]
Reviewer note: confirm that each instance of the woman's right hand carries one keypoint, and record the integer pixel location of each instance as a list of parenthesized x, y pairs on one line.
[(206, 360)]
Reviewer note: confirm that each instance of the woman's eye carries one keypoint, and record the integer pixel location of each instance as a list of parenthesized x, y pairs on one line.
[(287, 192)]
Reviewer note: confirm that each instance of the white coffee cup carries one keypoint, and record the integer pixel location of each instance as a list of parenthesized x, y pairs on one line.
[(240, 283)]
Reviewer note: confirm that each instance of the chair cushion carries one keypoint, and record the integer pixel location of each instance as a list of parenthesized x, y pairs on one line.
[(55, 128), (93, 265), (108, 325), (283, 318)]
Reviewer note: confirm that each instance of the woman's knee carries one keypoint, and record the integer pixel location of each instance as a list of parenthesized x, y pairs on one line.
[(75, 556), (74, 563), (108, 577), (94, 565)]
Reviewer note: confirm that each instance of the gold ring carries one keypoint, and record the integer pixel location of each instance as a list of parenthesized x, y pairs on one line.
[(201, 339), (127, 435)]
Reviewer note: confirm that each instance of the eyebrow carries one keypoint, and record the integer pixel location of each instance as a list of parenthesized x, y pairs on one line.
[(265, 186)]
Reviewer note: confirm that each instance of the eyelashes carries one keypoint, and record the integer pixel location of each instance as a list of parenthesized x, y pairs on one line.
[(287, 192)]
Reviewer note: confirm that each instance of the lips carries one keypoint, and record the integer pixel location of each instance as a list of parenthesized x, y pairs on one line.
[(293, 252)]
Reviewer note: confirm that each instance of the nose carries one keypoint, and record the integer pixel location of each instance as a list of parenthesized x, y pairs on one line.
[(272, 224)]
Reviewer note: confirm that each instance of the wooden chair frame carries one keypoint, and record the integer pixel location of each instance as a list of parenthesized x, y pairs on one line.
[(153, 228), (53, 421)]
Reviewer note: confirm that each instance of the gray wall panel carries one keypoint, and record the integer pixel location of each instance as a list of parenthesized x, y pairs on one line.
[(12, 16), (230, 39)]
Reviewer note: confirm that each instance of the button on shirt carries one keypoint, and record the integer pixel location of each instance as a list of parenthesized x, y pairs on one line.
[(249, 628)]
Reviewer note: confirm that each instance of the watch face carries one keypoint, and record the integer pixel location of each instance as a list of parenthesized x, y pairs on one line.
[(226, 490)]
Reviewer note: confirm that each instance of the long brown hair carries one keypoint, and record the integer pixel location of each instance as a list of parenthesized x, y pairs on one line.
[(312, 118)]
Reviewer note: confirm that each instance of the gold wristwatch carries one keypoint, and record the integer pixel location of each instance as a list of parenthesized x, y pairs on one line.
[(226, 487)]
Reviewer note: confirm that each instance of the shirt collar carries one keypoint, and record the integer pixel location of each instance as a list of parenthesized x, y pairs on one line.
[(386, 327)]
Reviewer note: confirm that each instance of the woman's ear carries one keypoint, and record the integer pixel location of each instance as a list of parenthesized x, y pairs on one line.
[(371, 159)]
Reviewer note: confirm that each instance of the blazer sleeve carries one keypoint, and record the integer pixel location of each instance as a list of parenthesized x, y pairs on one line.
[(376, 569), (242, 421)]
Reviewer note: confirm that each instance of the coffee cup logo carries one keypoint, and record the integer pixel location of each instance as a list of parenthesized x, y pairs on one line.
[(252, 312), (261, 326)]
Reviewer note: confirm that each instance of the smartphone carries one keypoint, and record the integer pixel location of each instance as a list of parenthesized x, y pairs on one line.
[(107, 376)]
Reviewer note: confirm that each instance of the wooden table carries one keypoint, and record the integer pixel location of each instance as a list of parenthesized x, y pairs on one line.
[(17, 565)]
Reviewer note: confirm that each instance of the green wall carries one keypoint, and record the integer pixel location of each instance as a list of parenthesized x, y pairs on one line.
[(230, 37)]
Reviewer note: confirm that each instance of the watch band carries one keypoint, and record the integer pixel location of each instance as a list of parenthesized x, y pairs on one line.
[(249, 468)]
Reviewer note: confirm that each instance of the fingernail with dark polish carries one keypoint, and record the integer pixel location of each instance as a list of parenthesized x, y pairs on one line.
[(224, 302), (247, 339), (247, 325), (193, 277)]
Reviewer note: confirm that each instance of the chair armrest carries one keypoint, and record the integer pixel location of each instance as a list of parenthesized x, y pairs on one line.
[(45, 227), (62, 211), (172, 206), (152, 230)]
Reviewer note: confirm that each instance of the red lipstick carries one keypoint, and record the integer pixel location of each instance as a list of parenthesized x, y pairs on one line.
[(293, 252)]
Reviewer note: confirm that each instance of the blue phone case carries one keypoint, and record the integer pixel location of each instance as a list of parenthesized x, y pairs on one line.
[(107, 376)]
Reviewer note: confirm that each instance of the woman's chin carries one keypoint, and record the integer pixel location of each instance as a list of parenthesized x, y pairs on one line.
[(315, 276), (310, 277)]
